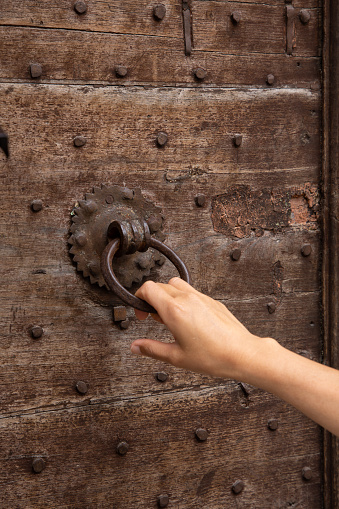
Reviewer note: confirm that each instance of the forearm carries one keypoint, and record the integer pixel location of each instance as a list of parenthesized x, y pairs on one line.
[(309, 386)]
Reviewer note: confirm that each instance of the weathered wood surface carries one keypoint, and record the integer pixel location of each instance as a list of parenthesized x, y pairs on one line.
[(280, 129), (136, 18), (80, 341), (84, 470), (262, 29), (41, 412), (330, 268), (77, 56)]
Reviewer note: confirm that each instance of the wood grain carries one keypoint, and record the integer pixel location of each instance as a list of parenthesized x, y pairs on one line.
[(79, 448), (80, 56), (116, 17), (280, 128)]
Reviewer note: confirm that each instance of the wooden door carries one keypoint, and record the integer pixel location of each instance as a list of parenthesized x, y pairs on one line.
[(236, 176)]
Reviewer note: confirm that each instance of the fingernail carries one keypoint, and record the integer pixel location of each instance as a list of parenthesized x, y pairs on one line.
[(136, 350)]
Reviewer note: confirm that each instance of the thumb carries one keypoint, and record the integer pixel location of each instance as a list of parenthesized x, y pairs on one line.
[(156, 349)]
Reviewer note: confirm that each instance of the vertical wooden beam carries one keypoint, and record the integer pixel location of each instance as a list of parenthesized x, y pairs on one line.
[(330, 182)]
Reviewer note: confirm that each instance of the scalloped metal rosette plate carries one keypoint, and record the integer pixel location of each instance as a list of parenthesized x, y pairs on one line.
[(90, 220)]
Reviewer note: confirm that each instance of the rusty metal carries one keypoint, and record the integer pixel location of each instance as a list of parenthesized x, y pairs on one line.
[(91, 218), (36, 205), (201, 434), (122, 448), (187, 19), (35, 70), (271, 306), (306, 473), (272, 424), (119, 313), (290, 29), (124, 324), (38, 465), (81, 387), (161, 376), (237, 140), (238, 486), (200, 200), (4, 142), (36, 331), (163, 500), (306, 250), (162, 138), (270, 79), (129, 237), (159, 12), (154, 223), (79, 141), (200, 73), (235, 254), (80, 7), (236, 17), (304, 16), (121, 71)]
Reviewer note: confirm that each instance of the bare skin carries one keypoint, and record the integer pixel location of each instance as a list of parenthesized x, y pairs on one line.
[(210, 340)]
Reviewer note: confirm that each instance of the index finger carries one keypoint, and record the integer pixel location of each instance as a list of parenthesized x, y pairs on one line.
[(158, 295)]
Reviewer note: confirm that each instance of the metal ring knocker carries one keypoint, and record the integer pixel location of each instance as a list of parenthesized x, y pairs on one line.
[(129, 237)]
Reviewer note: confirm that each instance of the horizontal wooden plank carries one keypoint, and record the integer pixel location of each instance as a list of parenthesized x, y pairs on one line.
[(79, 450), (79, 56), (262, 28), (114, 17), (280, 128)]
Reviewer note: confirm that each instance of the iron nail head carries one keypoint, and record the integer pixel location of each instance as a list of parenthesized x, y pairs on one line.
[(272, 424), (154, 223), (121, 71), (304, 16), (306, 250), (238, 486), (81, 387), (307, 473), (162, 139), (80, 7), (35, 70), (235, 254), (38, 465), (159, 12), (270, 79), (119, 313), (124, 324), (36, 205), (200, 200), (122, 448), (163, 500), (236, 17), (79, 141), (200, 73), (237, 140), (37, 331), (271, 306), (201, 434), (161, 376)]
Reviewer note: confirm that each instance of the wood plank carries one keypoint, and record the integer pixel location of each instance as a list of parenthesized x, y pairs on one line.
[(262, 28), (280, 128), (79, 56), (159, 431), (114, 17)]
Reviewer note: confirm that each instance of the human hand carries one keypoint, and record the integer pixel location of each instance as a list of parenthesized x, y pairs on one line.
[(208, 338)]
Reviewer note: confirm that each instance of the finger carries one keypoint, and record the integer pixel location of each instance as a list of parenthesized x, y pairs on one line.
[(182, 285), (158, 295), (156, 317), (166, 352), (141, 315)]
